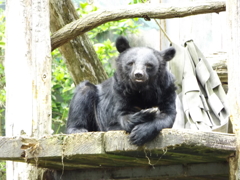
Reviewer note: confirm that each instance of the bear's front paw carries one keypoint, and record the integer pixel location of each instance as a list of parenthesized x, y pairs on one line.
[(145, 115), (142, 134)]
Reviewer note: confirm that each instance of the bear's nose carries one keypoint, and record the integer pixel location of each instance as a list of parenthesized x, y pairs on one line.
[(138, 75)]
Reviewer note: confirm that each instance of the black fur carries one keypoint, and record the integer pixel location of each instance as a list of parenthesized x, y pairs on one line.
[(122, 44), (139, 98)]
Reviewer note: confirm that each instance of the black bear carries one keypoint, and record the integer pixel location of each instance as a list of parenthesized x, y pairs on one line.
[(139, 98)]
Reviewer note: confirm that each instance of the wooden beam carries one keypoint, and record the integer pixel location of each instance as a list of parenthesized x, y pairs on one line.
[(28, 79), (101, 149), (203, 171), (233, 36), (157, 11)]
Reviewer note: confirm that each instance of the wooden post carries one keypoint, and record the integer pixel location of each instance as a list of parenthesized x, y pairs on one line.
[(28, 76), (233, 18)]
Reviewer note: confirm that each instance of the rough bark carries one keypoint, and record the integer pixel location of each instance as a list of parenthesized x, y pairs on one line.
[(161, 11), (233, 18), (80, 57), (28, 76)]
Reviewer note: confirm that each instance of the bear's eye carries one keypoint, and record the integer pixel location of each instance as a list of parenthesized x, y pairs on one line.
[(149, 66), (130, 63)]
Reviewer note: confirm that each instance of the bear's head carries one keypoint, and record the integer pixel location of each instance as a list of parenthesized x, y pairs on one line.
[(140, 66)]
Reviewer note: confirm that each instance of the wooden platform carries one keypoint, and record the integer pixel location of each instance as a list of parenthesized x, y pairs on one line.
[(174, 153)]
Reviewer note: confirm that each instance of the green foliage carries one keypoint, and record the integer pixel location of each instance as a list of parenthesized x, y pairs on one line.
[(2, 89), (121, 27), (106, 51), (2, 74), (62, 91), (2, 29), (138, 1), (2, 170)]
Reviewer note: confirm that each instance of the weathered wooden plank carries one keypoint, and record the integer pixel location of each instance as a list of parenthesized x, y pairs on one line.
[(174, 172), (113, 150), (11, 148), (174, 147), (172, 138), (69, 145)]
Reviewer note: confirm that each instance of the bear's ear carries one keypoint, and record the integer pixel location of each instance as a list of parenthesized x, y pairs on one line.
[(168, 53), (122, 44)]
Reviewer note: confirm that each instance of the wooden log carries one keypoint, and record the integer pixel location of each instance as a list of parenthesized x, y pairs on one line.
[(233, 36), (101, 149), (158, 11), (28, 79)]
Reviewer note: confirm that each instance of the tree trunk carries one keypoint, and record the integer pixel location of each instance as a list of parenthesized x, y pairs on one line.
[(161, 11), (28, 76), (81, 59), (233, 18)]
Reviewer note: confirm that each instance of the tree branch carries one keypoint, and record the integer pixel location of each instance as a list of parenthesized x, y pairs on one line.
[(161, 11)]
